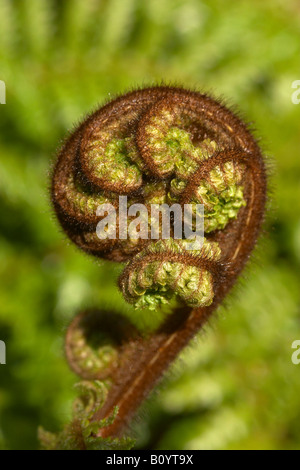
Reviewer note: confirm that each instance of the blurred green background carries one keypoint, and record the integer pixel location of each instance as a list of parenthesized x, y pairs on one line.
[(235, 386)]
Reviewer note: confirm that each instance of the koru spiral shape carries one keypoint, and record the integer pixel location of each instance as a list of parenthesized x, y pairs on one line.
[(158, 145)]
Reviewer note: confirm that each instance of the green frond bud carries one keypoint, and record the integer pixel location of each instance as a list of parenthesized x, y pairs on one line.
[(166, 269), (93, 343)]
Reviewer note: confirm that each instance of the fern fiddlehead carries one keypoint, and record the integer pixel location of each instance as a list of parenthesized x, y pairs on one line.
[(162, 145)]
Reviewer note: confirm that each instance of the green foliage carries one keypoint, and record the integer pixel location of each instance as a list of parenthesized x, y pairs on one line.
[(81, 433), (238, 387)]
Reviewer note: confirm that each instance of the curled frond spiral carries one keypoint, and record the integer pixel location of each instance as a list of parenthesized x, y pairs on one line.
[(158, 145)]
